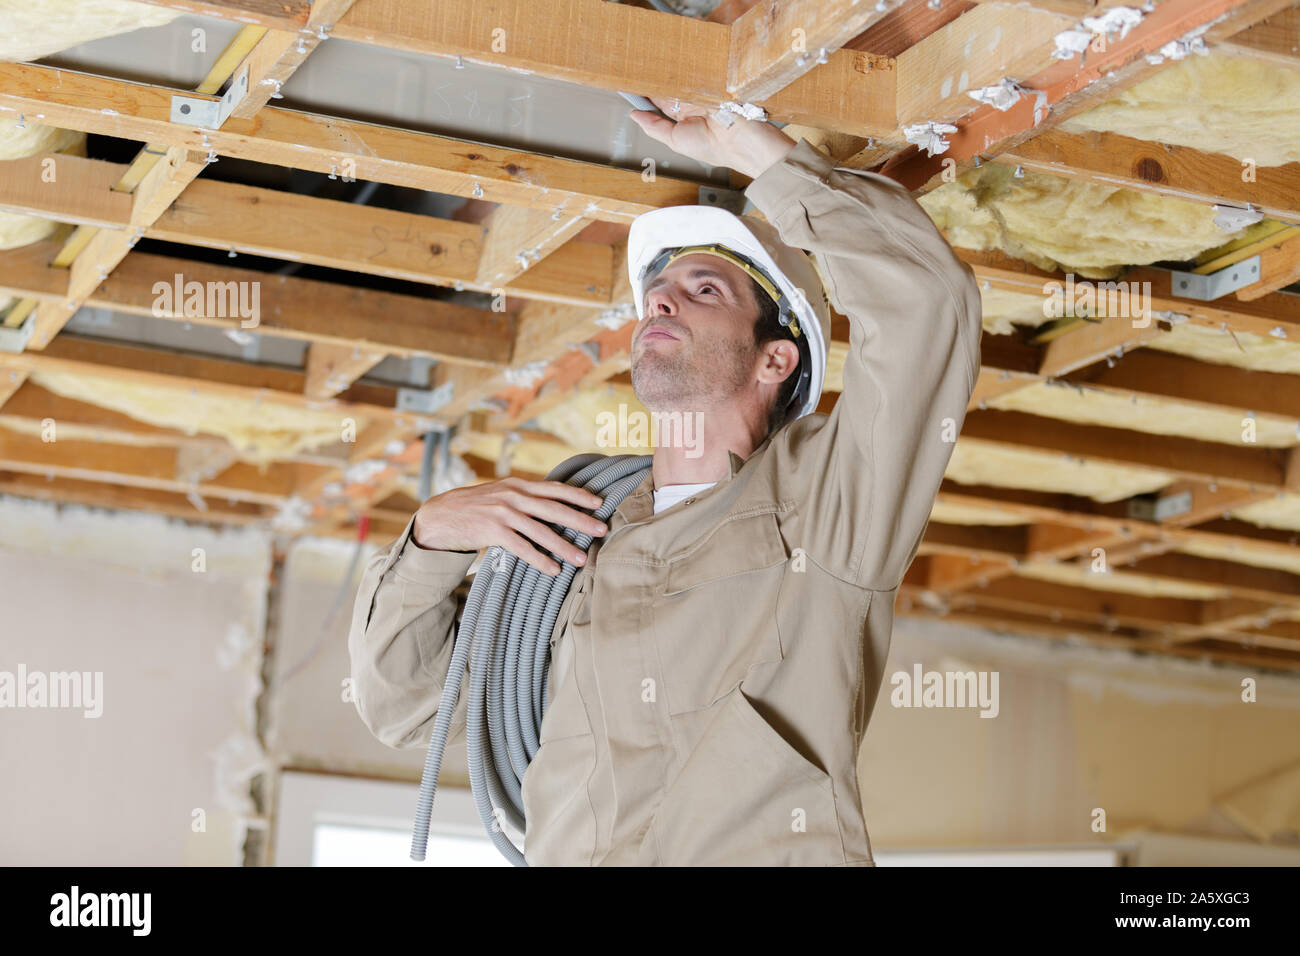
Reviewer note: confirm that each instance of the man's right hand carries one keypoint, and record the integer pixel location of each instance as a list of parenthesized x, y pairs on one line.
[(510, 513)]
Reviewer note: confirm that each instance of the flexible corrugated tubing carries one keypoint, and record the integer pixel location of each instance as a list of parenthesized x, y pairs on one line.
[(504, 637)]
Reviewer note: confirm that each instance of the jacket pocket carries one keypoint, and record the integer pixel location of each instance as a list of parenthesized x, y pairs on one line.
[(717, 617), (560, 819), (565, 714), (737, 546), (746, 797)]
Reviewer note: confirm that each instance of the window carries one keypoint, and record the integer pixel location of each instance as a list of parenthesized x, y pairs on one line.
[(326, 820)]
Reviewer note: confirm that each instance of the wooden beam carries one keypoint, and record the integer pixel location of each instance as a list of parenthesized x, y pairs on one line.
[(1261, 584), (976, 50), (1273, 315), (1164, 375), (1279, 266), (1074, 85), (280, 52), (83, 190), (96, 494), (517, 238), (367, 239), (324, 144), (304, 309), (1176, 172), (1090, 604), (333, 368), (145, 467), (777, 41), (1035, 626), (173, 370), (1276, 39), (640, 50), (11, 380), (154, 183), (906, 25)]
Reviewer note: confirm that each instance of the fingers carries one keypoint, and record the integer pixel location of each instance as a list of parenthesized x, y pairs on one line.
[(540, 534), (560, 514), (558, 489), (520, 548), (677, 109), (656, 127)]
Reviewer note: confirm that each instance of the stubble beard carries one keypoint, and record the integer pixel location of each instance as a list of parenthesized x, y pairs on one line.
[(687, 379)]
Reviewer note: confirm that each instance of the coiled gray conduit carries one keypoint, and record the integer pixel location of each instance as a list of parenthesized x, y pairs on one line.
[(509, 616)]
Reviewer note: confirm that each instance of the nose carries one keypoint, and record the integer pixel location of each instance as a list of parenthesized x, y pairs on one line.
[(659, 302)]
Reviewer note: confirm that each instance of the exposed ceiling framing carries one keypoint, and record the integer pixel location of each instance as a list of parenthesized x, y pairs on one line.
[(1196, 581)]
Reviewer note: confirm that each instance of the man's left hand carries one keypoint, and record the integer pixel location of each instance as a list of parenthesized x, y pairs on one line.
[(747, 146)]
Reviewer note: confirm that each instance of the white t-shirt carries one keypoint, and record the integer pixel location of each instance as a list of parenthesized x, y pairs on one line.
[(669, 495)]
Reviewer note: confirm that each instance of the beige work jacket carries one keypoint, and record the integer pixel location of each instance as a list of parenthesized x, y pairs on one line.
[(714, 666)]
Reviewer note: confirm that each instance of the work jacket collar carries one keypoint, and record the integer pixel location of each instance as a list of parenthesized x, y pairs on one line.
[(639, 505)]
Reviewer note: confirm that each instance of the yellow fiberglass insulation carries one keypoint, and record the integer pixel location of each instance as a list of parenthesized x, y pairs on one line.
[(1092, 406), (259, 431), (31, 29), (1259, 353), (946, 512), (1004, 310), (1124, 582), (1281, 512), (1238, 106), (982, 463), (1212, 547), (1069, 225)]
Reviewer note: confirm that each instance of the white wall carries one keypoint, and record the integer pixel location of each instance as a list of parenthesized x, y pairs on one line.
[(179, 651)]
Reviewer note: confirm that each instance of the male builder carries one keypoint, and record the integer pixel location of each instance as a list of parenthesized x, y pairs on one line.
[(717, 658)]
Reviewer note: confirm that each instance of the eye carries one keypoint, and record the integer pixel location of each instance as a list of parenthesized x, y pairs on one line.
[(709, 287)]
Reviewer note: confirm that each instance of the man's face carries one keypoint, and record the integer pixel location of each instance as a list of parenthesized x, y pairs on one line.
[(695, 346)]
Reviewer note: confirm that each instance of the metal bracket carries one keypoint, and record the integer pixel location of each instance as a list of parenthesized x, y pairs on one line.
[(15, 339), (731, 200), (1161, 509), (1207, 288), (209, 113), (425, 401)]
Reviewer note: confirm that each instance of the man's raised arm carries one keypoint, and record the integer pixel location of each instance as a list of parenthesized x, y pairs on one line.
[(872, 470)]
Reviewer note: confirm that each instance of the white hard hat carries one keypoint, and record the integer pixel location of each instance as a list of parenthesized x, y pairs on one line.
[(790, 275)]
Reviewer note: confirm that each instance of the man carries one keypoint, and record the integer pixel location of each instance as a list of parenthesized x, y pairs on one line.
[(715, 663)]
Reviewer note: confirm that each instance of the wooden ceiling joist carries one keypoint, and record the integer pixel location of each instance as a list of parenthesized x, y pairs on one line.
[(292, 307), (331, 233), (1176, 172), (325, 144), (97, 358), (638, 50), (159, 468), (1071, 86)]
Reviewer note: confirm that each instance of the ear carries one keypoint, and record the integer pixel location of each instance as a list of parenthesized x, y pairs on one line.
[(779, 360)]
